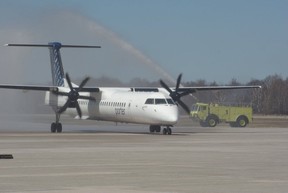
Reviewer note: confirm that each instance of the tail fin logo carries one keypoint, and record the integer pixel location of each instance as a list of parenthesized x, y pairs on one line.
[(56, 64)]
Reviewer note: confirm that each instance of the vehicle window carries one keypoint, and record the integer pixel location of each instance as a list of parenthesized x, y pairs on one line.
[(194, 108), (203, 108), (149, 101), (170, 101), (160, 101)]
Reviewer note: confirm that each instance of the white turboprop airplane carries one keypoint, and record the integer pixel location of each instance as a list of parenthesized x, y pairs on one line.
[(156, 107)]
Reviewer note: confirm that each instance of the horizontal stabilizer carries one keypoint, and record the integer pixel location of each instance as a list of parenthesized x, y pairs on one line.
[(53, 45), (44, 88)]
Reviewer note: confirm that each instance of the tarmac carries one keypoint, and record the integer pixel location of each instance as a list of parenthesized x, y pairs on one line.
[(103, 157)]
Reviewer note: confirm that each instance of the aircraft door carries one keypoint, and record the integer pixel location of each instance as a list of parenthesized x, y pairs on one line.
[(128, 110)]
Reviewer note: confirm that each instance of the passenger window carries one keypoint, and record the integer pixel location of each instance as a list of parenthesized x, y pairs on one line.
[(149, 101), (160, 101)]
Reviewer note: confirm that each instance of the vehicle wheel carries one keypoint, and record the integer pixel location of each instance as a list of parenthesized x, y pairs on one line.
[(242, 121), (211, 121)]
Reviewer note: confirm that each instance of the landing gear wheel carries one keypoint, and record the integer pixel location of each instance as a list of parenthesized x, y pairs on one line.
[(155, 128), (56, 127), (59, 128), (53, 127), (169, 131), (151, 129), (164, 131), (158, 129)]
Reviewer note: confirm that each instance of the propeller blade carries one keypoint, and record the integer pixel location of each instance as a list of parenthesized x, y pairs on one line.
[(62, 109), (175, 95), (78, 109), (184, 106), (178, 82), (83, 83), (69, 81), (73, 96), (164, 85)]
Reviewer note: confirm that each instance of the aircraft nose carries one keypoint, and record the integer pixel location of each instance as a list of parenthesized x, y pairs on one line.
[(171, 116)]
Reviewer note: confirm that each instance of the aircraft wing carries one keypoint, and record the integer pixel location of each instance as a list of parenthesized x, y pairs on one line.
[(43, 88), (28, 87), (206, 88), (189, 90), (147, 89)]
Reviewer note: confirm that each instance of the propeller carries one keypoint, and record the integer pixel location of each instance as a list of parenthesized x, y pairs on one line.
[(73, 96), (176, 95)]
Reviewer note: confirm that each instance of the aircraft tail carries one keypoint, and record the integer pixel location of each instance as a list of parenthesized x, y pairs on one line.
[(57, 70)]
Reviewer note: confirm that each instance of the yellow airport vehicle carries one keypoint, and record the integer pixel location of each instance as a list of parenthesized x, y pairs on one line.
[(209, 115)]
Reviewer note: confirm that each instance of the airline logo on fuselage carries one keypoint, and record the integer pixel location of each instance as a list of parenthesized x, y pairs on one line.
[(120, 111)]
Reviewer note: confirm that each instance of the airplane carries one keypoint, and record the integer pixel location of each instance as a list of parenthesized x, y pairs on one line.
[(157, 107)]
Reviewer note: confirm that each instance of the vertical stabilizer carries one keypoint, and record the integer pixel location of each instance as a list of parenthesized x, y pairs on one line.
[(56, 64)]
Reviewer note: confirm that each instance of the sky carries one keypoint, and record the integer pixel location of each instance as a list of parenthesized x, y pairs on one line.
[(152, 39)]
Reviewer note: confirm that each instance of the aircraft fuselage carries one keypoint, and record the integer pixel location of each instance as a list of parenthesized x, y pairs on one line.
[(123, 105)]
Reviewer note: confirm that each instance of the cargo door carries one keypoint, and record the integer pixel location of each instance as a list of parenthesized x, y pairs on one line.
[(233, 111), (227, 113), (224, 113)]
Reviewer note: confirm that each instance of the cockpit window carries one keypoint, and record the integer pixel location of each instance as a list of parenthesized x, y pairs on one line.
[(160, 101), (149, 101), (170, 101)]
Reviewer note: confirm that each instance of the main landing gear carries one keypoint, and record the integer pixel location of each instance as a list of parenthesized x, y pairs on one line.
[(167, 130), (72, 101), (56, 126), (157, 129)]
